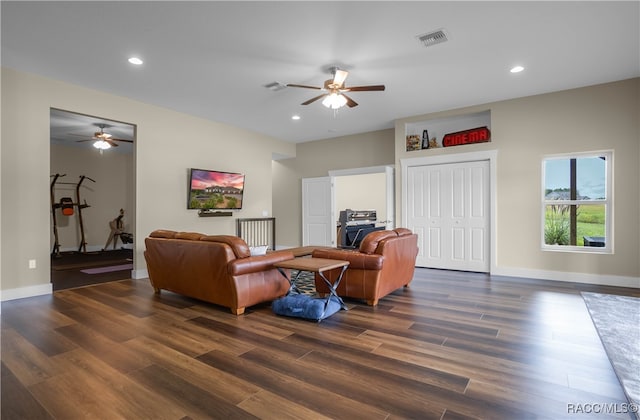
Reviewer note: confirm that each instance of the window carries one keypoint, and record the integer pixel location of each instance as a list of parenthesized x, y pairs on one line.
[(577, 202)]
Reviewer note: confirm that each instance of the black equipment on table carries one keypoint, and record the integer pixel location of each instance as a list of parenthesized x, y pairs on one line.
[(355, 225)]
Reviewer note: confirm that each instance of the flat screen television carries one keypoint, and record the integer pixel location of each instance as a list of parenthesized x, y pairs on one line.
[(215, 190)]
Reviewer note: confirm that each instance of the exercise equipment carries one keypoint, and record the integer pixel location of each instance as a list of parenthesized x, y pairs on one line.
[(83, 243), (67, 206), (56, 245), (66, 203), (117, 231)]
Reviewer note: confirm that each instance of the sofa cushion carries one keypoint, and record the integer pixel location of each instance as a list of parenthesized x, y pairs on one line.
[(357, 260), (189, 236), (163, 233), (370, 242), (403, 231), (305, 306), (240, 266), (238, 245)]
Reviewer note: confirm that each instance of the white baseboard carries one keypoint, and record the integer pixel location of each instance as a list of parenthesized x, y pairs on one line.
[(47, 289), (25, 292), (599, 279)]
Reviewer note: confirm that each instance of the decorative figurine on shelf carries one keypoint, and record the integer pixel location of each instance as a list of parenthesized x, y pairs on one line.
[(433, 142), (413, 142), (425, 139)]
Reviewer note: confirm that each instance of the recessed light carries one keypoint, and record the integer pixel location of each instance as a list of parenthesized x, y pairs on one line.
[(135, 60), (516, 69), (295, 117)]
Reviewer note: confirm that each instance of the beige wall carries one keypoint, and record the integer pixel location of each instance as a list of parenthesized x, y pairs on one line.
[(167, 144), (362, 192), (316, 159), (112, 191), (592, 118), (603, 117)]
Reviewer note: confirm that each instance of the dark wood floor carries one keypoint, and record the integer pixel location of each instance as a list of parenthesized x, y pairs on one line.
[(67, 268), (452, 346)]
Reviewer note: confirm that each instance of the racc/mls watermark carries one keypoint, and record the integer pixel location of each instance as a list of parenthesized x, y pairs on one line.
[(602, 408)]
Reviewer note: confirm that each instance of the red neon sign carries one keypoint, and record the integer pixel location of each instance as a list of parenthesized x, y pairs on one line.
[(475, 135)]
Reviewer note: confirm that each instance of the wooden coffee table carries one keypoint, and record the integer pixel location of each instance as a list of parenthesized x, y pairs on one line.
[(315, 265)]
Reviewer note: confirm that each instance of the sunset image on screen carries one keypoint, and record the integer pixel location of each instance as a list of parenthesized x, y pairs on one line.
[(215, 190)]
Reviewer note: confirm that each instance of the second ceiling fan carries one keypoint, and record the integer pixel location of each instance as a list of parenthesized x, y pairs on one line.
[(335, 90), (104, 137)]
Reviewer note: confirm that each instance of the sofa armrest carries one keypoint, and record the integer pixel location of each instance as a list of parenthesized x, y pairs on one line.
[(257, 263), (357, 260)]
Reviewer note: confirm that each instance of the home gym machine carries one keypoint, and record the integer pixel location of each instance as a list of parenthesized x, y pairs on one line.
[(66, 205), (117, 231)]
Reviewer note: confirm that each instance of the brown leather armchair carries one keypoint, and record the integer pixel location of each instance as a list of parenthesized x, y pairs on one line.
[(384, 262), (217, 269)]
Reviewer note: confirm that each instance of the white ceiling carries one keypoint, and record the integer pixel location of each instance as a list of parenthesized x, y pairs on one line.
[(212, 59)]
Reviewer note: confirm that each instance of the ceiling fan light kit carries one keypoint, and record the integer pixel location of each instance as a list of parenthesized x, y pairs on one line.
[(101, 144), (334, 101)]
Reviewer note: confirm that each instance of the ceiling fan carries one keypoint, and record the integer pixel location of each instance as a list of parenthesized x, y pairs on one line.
[(335, 90), (104, 140)]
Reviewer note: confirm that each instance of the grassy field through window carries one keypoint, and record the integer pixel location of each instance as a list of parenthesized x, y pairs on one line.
[(590, 221)]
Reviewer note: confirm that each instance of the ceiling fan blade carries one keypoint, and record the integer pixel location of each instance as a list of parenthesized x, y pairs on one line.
[(304, 86), (82, 141), (350, 102), (314, 99), (340, 77), (111, 142), (363, 88), (122, 140)]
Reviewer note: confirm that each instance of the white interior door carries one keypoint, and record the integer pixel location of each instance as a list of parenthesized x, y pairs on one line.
[(448, 207), (318, 224)]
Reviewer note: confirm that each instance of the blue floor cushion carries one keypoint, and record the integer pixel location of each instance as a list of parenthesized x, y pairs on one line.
[(305, 306)]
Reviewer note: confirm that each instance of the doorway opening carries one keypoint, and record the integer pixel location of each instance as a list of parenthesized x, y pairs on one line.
[(92, 198), (321, 203)]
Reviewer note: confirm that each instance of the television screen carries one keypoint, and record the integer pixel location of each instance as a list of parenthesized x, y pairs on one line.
[(215, 189)]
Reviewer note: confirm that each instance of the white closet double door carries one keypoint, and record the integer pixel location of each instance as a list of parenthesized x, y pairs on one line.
[(448, 207)]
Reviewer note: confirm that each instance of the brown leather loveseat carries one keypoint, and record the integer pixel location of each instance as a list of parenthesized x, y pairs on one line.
[(384, 262), (217, 269)]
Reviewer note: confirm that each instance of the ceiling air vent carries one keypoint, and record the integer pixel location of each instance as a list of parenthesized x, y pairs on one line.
[(433, 38), (275, 86)]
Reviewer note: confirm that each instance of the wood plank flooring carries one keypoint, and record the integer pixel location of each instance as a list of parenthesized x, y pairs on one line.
[(452, 346), (66, 269)]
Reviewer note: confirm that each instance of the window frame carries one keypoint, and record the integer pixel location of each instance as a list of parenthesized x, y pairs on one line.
[(608, 203)]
